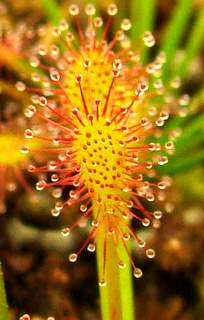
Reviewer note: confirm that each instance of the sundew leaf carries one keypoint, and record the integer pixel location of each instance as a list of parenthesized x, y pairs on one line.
[(142, 14), (174, 32), (194, 44)]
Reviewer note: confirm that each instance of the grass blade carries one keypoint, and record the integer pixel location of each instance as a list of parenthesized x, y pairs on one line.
[(175, 31), (142, 16), (195, 43), (181, 164)]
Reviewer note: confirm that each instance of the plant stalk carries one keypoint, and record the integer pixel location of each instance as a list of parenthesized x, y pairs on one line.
[(116, 298), (4, 315)]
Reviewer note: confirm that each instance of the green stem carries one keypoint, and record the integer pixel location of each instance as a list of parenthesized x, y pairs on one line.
[(116, 298), (3, 302)]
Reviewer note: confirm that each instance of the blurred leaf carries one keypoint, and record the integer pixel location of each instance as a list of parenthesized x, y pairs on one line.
[(14, 61), (142, 15), (175, 31), (52, 11), (191, 135), (195, 43), (183, 163), (196, 101)]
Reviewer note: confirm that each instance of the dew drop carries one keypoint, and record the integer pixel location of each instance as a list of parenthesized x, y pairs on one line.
[(54, 178), (156, 224), (112, 9), (161, 185), (148, 39), (11, 186), (126, 24), (31, 168), (145, 222), (150, 197), (157, 214), (169, 145), (120, 35), (54, 50), (130, 204), (121, 264), (126, 236), (72, 194), (63, 25), (102, 282), (35, 77), (175, 83), (74, 9), (34, 62), (90, 10), (30, 111), (55, 212), (159, 122), (57, 193), (65, 232), (111, 231), (137, 273), (98, 22), (162, 160), (20, 86), (28, 134), (150, 253), (52, 165), (73, 257), (152, 146), (59, 206), (158, 84), (25, 317), (164, 115), (95, 223), (40, 185), (69, 37), (91, 247), (54, 75), (184, 100), (42, 51), (141, 243), (56, 32), (24, 149), (83, 208)]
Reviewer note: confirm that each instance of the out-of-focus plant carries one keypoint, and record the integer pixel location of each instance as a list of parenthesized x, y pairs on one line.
[(14, 157)]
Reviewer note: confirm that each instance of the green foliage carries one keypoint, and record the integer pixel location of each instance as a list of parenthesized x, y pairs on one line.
[(174, 32), (142, 14)]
